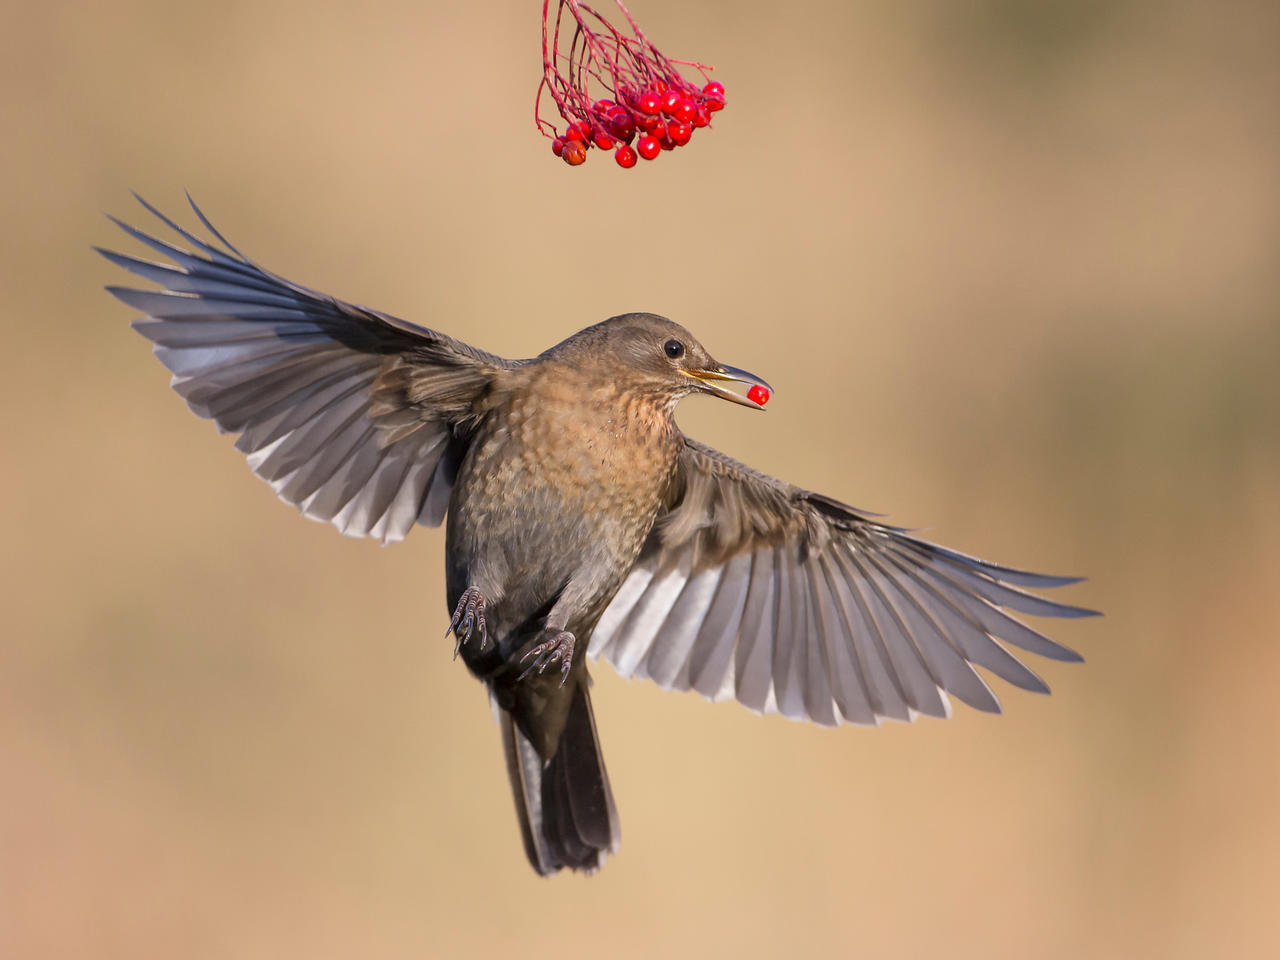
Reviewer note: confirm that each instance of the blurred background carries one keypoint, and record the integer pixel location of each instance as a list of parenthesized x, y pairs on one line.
[(1012, 268)]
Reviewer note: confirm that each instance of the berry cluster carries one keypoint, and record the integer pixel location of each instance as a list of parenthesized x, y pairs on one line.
[(661, 115)]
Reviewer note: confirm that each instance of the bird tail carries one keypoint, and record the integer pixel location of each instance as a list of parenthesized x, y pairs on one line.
[(564, 804)]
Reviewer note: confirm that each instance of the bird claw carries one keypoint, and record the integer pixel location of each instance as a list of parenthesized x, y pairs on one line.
[(559, 647), (468, 615)]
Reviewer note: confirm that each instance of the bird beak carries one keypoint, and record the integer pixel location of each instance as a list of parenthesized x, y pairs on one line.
[(711, 380)]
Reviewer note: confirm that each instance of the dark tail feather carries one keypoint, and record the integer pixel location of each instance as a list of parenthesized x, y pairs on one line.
[(565, 806)]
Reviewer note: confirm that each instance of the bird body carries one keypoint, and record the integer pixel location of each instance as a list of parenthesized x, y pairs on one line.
[(556, 494), (578, 515), (552, 503)]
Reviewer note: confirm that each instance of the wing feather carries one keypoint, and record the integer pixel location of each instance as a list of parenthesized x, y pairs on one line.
[(352, 415), (796, 603)]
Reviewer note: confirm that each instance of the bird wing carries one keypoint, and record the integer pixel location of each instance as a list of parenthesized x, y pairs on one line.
[(353, 416), (795, 603)]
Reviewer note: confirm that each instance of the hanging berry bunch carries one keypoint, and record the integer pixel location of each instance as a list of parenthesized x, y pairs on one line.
[(643, 104)]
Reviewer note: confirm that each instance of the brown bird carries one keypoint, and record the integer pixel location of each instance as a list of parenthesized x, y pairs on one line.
[(579, 514)]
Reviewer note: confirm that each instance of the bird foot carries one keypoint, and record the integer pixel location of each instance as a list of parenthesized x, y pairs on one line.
[(558, 647), (468, 615)]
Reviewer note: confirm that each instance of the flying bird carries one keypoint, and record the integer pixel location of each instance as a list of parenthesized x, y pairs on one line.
[(581, 521)]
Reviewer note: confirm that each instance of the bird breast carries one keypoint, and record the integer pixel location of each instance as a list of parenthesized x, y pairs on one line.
[(606, 450), (571, 475)]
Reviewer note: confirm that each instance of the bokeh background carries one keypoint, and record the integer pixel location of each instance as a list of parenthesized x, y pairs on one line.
[(1013, 268)]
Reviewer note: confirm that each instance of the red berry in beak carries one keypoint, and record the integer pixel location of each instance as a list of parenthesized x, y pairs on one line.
[(758, 394)]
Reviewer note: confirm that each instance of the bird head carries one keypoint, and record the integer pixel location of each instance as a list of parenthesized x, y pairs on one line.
[(651, 354)]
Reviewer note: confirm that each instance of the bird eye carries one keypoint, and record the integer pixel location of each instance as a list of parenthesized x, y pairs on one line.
[(674, 349)]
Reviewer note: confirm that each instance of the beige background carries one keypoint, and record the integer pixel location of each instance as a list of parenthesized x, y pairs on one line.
[(1012, 267)]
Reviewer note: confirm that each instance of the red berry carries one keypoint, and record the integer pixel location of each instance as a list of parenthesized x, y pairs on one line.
[(701, 118), (575, 152), (625, 156), (573, 133), (679, 132), (603, 140), (713, 104), (758, 394), (620, 125), (685, 110), (648, 103), (603, 107), (659, 87), (557, 146), (670, 101), (716, 89), (648, 147), (647, 124)]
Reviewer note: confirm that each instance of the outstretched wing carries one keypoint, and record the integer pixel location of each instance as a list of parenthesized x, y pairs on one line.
[(353, 416), (797, 604)]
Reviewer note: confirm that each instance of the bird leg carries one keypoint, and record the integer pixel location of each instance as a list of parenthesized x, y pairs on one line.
[(558, 647), (468, 615)]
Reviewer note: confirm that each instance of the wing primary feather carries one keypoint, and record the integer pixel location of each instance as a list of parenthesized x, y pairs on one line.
[(195, 265), (712, 653), (307, 441), (789, 640), (996, 622), (847, 681), (674, 638), (1022, 578), (884, 687), (319, 485), (197, 306), (218, 256), (752, 668), (309, 454), (353, 479), (188, 334), (996, 592), (974, 643), (203, 282), (638, 630), (819, 676), (921, 687), (951, 670), (290, 373), (266, 419), (632, 589)]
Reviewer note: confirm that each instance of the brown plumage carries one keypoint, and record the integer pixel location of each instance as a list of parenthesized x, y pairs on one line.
[(579, 514)]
